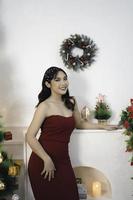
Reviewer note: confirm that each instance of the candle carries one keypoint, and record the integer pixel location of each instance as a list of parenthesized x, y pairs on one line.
[(96, 189)]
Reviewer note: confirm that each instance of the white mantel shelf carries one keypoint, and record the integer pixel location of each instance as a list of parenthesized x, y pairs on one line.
[(81, 131), (13, 141)]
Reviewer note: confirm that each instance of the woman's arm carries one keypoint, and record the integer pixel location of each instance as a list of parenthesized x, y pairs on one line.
[(33, 129), (36, 147), (82, 124)]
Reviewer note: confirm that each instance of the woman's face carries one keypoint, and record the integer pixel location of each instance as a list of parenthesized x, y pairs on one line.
[(59, 84)]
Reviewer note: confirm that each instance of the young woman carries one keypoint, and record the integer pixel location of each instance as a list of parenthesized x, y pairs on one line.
[(50, 171)]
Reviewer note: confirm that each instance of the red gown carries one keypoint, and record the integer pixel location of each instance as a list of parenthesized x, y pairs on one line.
[(55, 135)]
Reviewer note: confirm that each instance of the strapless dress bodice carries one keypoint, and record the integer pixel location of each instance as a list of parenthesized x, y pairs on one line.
[(57, 128)]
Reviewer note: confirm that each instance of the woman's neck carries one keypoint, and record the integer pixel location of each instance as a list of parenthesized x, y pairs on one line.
[(56, 98)]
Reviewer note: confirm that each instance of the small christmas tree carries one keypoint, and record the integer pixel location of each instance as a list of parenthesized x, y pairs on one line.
[(8, 170), (102, 111)]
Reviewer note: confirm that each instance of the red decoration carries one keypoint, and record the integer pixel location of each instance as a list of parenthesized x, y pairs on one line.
[(126, 124), (131, 115), (8, 135), (131, 100), (130, 108)]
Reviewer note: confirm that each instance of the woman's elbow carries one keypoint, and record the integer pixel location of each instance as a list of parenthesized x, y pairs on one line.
[(27, 138)]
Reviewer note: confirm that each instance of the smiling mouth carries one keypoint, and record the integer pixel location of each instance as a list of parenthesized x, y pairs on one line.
[(64, 88)]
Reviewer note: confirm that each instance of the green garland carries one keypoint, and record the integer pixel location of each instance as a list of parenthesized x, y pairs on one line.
[(85, 45), (127, 122)]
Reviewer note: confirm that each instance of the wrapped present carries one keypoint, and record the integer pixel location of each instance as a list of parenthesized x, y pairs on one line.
[(82, 191), (13, 171), (18, 164), (7, 135)]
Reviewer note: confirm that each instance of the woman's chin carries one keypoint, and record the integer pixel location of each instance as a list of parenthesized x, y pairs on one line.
[(63, 92)]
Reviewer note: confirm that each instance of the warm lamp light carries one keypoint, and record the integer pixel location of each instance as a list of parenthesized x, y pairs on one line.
[(1, 158), (96, 189)]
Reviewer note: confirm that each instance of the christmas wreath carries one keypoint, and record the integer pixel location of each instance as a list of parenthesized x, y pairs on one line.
[(78, 52)]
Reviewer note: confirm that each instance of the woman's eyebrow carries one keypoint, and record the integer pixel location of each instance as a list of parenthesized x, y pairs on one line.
[(57, 77), (60, 77)]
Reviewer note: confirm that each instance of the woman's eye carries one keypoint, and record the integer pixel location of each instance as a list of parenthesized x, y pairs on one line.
[(57, 79)]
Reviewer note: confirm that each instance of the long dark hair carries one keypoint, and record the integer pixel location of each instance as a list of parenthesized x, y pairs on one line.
[(50, 74)]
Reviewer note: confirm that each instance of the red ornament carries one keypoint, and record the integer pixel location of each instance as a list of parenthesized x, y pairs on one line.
[(8, 135), (131, 163), (130, 108), (131, 100), (126, 124), (131, 115)]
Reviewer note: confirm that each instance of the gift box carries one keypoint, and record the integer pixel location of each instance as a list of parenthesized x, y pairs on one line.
[(8, 135), (82, 191)]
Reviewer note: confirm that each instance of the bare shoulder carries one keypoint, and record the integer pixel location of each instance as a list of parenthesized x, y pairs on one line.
[(38, 118), (41, 110), (42, 106)]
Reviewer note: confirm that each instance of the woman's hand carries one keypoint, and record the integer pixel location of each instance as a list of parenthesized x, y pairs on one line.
[(49, 169), (112, 127)]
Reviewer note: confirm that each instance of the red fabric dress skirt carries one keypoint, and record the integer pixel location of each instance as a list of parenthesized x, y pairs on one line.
[(55, 136)]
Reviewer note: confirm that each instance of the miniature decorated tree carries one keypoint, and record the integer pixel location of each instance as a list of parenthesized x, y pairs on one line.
[(102, 110)]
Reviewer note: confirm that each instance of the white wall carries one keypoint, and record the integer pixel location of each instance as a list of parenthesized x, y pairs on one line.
[(31, 32)]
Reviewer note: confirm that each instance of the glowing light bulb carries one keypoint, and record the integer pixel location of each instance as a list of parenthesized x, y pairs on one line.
[(96, 189)]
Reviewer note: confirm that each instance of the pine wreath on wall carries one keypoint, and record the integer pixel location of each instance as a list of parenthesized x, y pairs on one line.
[(78, 52)]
